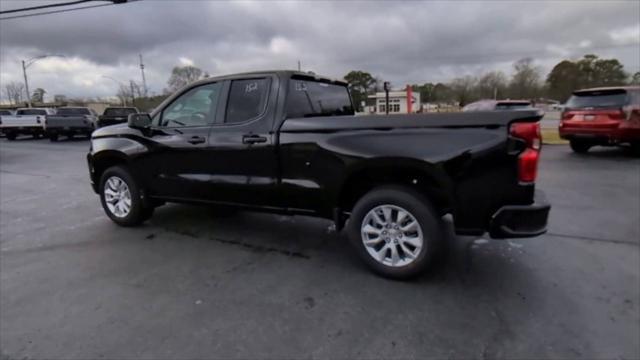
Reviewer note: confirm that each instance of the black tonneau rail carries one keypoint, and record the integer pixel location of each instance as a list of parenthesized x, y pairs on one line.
[(459, 119)]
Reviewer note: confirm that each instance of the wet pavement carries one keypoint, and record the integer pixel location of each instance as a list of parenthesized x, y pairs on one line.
[(195, 282)]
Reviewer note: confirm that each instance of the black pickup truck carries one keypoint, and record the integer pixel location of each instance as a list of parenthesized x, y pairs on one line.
[(289, 142), (115, 115)]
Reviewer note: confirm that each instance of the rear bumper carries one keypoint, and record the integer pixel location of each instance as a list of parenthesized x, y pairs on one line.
[(517, 221), (603, 136)]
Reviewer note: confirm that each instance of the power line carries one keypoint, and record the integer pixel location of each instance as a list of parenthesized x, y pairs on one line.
[(44, 6), (61, 11)]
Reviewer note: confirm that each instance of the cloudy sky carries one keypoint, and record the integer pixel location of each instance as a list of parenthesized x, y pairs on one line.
[(404, 42)]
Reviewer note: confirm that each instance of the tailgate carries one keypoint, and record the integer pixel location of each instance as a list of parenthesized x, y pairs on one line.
[(68, 121)]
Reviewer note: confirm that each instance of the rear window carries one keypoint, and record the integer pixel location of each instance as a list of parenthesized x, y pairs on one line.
[(73, 111), (598, 99), (119, 111), (247, 99), (308, 98), (513, 105), (5, 112), (32, 112)]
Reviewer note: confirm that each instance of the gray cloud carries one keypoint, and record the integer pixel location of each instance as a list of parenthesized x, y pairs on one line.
[(405, 42)]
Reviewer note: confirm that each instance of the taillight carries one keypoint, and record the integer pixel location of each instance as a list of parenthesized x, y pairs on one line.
[(566, 115), (528, 159), (38, 119), (617, 115)]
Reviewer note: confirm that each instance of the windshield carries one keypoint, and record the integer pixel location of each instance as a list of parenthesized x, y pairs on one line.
[(73, 111), (119, 111), (598, 99), (308, 98)]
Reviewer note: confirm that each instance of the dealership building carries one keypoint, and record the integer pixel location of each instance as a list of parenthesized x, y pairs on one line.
[(400, 102)]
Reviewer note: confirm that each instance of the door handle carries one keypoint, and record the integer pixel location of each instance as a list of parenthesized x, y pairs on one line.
[(253, 139), (196, 140)]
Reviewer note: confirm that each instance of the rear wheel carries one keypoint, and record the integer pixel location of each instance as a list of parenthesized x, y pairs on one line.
[(121, 198), (11, 136), (53, 137), (580, 147), (396, 231)]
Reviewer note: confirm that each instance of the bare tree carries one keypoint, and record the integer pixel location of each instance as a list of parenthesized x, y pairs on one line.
[(492, 85), (38, 95), (14, 92), (463, 88), (525, 83), (181, 76), (124, 94)]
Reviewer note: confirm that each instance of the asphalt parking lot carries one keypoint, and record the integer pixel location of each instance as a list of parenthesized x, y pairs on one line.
[(198, 283)]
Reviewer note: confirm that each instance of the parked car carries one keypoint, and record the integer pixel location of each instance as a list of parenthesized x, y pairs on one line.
[(496, 105), (70, 121), (4, 112), (288, 142), (606, 116), (115, 115), (26, 121)]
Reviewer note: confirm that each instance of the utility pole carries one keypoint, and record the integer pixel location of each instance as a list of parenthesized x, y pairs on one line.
[(26, 83), (386, 86), (133, 94), (144, 80), (299, 67)]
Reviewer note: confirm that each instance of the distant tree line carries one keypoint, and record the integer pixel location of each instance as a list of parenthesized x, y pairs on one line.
[(526, 82)]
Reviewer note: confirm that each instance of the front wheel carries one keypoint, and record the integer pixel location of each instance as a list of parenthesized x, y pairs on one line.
[(579, 147), (11, 136), (120, 197), (396, 231), (53, 137)]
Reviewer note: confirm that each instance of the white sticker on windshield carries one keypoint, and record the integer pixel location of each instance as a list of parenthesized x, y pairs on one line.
[(301, 86)]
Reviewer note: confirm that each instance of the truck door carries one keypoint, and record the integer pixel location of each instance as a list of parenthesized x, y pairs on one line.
[(177, 163), (243, 164)]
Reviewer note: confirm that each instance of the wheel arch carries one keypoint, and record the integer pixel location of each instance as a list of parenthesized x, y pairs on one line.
[(426, 178)]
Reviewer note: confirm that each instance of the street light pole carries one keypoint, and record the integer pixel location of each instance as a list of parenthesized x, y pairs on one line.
[(26, 83), (25, 66)]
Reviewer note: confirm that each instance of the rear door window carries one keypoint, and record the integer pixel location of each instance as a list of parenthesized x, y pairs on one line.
[(32, 112), (308, 98), (598, 99), (247, 99)]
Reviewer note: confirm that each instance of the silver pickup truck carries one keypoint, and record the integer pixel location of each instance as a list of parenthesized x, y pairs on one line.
[(26, 121), (70, 121)]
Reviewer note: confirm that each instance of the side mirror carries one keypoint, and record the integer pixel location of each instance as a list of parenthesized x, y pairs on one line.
[(139, 121)]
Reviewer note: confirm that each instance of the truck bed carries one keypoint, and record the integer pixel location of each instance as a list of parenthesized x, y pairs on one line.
[(381, 122)]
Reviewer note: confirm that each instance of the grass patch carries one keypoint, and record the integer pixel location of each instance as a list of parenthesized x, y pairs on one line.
[(552, 137)]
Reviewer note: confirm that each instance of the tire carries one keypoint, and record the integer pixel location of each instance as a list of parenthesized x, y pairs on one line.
[(635, 149), (110, 184), (53, 137), (579, 147), (419, 256), (11, 136)]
